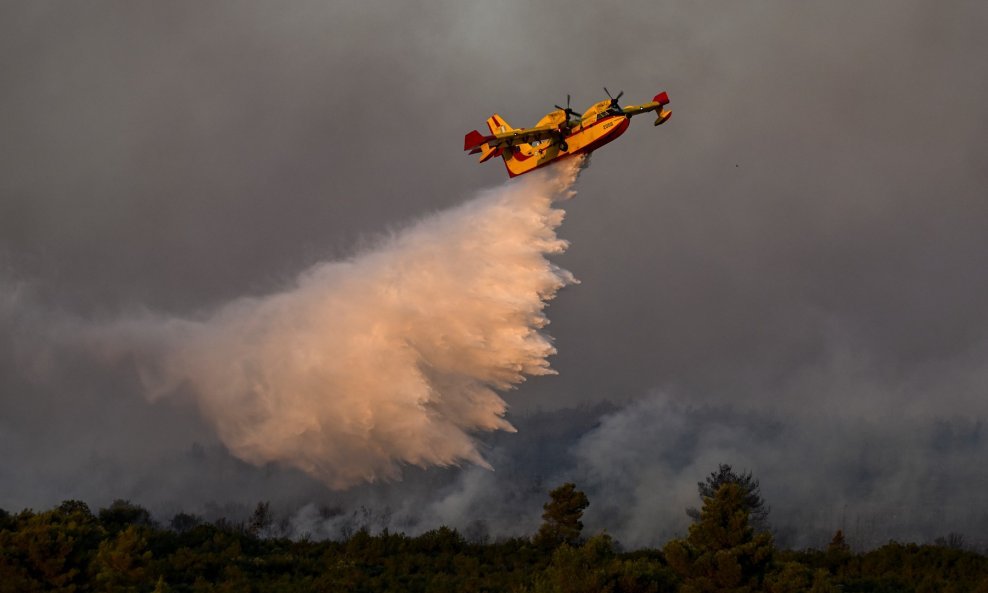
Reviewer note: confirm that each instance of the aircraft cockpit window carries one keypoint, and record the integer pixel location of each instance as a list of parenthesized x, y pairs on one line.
[(609, 111)]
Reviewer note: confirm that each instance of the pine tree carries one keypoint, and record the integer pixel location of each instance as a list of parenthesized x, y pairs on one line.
[(561, 517), (837, 555), (260, 520), (722, 553), (725, 474)]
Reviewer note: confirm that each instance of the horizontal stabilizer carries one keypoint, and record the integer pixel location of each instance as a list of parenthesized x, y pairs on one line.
[(664, 115), (488, 152), (473, 140)]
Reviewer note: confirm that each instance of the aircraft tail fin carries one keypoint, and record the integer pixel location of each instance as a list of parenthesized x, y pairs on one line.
[(477, 143), (663, 114), (473, 140), (497, 125)]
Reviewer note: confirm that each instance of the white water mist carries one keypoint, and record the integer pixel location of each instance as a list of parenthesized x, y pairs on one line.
[(394, 356)]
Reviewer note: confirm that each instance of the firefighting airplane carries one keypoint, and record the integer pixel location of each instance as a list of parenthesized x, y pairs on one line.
[(557, 136)]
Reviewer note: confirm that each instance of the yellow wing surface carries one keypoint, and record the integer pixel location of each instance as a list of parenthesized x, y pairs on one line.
[(504, 136), (523, 136)]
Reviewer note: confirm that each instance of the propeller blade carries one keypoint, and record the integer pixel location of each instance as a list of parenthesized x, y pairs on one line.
[(620, 94), (567, 110), (608, 93)]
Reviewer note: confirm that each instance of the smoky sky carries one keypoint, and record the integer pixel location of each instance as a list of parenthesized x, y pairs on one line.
[(789, 275)]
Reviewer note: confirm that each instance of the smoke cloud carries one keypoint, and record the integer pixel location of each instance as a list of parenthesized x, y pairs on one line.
[(788, 277), (394, 356)]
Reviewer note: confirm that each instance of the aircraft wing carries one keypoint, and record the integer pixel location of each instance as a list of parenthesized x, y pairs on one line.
[(475, 139)]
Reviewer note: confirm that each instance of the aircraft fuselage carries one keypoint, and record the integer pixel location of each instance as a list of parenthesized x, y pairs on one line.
[(583, 140), (557, 135)]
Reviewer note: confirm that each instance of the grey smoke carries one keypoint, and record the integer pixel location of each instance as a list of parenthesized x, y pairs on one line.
[(803, 243)]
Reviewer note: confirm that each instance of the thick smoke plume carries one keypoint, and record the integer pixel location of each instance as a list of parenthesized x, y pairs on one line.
[(394, 356)]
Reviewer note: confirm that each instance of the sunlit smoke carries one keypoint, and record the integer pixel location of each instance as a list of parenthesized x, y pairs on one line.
[(394, 356)]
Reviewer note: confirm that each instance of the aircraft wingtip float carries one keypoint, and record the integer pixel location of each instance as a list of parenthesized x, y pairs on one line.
[(557, 136)]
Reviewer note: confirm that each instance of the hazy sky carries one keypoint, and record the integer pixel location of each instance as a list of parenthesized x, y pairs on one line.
[(805, 241)]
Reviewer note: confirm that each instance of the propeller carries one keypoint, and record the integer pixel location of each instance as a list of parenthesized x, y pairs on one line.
[(567, 109), (614, 100)]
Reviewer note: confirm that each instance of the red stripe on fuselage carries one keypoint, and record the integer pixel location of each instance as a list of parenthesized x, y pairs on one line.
[(608, 137)]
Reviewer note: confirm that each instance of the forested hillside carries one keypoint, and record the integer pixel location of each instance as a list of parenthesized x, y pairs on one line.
[(121, 548)]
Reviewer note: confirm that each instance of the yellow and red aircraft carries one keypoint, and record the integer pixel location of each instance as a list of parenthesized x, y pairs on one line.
[(557, 136)]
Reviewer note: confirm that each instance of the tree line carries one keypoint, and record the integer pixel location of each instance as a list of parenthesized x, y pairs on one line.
[(728, 548)]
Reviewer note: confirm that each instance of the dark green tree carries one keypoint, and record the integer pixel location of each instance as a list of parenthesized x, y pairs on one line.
[(77, 508), (584, 569), (260, 520), (561, 517), (722, 553), (790, 577), (184, 522), (838, 554), (161, 586), (7, 520), (121, 514), (757, 508), (48, 551), (597, 567), (121, 563)]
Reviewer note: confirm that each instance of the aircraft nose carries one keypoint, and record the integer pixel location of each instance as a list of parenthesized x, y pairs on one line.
[(621, 127)]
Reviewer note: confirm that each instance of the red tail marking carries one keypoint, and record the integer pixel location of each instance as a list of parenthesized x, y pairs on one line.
[(474, 139)]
